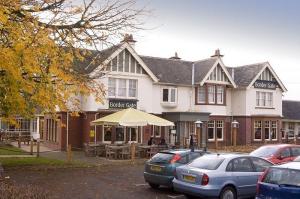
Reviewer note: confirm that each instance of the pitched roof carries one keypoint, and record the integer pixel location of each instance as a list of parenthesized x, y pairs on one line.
[(291, 109), (172, 71), (244, 75), (202, 67), (93, 59)]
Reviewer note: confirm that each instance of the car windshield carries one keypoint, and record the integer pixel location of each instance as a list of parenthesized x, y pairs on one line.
[(162, 158), (264, 151), (282, 176), (207, 162)]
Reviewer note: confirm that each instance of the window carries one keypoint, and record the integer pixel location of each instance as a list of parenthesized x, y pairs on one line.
[(122, 87), (211, 130), (208, 162), (267, 130), (201, 95), (169, 95), (240, 165), (291, 130), (120, 137), (211, 94), (264, 99), (133, 134), (220, 127), (274, 130), (220, 95), (285, 153), (107, 134), (156, 131), (111, 87), (260, 165), (121, 62), (257, 130), (132, 92), (283, 176), (295, 151)]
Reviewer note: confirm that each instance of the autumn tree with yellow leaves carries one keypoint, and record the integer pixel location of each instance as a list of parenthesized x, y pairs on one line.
[(41, 39)]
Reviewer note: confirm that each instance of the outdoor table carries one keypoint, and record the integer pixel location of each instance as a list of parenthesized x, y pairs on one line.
[(143, 149), (117, 149)]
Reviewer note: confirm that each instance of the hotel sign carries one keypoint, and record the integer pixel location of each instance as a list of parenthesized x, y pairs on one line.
[(265, 84), (122, 103)]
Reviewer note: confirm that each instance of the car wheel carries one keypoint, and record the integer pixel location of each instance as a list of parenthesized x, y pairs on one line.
[(154, 186), (228, 193)]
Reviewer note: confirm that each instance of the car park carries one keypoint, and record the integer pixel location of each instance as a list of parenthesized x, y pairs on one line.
[(160, 169), (224, 176), (278, 153), (280, 182)]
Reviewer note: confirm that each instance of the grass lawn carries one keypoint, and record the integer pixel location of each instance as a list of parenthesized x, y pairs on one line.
[(11, 150), (16, 162)]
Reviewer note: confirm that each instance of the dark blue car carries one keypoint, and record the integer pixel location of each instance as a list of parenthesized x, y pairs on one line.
[(280, 182)]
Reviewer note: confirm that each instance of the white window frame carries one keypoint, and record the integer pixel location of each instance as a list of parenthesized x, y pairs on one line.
[(137, 133), (257, 127), (136, 88), (222, 94), (159, 130), (169, 95), (272, 128), (212, 122), (221, 126), (267, 125), (117, 84), (209, 93), (124, 132), (203, 92), (290, 129), (106, 142), (264, 99)]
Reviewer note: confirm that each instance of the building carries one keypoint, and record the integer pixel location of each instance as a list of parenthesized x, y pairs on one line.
[(180, 91), (291, 121)]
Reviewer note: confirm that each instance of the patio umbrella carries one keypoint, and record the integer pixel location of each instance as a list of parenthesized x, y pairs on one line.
[(132, 117)]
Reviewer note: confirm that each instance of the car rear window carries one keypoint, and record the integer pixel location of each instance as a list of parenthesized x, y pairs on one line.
[(162, 158), (209, 163), (265, 151), (282, 176)]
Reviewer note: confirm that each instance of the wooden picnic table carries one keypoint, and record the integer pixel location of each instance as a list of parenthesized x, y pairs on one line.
[(118, 149)]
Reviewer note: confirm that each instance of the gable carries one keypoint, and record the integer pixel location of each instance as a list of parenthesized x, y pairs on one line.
[(218, 74), (268, 79), (125, 62)]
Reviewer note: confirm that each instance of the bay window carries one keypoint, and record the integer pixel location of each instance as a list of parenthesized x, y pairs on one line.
[(211, 130), (123, 88), (267, 130), (274, 130), (215, 130), (291, 131), (169, 95), (219, 129)]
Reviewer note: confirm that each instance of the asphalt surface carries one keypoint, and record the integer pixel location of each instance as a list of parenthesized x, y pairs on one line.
[(109, 182)]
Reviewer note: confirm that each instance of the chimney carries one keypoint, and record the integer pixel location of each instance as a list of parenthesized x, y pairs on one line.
[(128, 38), (217, 53), (175, 56)]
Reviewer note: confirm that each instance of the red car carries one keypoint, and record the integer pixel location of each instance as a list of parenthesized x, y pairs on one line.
[(278, 153)]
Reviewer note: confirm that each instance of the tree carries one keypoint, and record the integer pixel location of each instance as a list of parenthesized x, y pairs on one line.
[(41, 39)]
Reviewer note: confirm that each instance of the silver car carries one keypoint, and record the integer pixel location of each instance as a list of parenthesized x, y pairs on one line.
[(225, 176)]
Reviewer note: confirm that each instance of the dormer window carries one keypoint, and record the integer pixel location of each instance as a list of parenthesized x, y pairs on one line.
[(169, 95)]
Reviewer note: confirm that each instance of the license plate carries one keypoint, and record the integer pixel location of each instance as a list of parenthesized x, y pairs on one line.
[(189, 178), (156, 168)]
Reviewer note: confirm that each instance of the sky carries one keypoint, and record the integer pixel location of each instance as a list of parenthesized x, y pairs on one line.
[(246, 32)]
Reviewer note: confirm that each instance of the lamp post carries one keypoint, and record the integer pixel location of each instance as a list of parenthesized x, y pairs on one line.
[(198, 124), (235, 126)]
